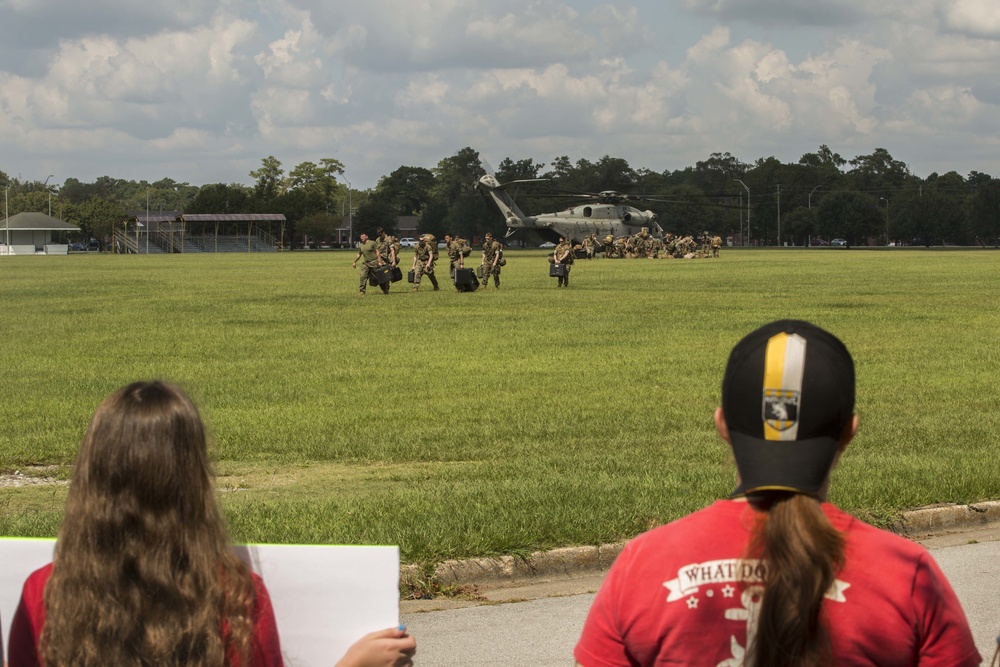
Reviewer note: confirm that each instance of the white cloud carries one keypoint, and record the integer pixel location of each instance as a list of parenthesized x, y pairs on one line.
[(155, 81), (296, 59), (390, 82), (974, 17)]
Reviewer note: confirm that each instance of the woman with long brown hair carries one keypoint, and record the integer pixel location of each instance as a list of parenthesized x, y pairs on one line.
[(143, 572), (776, 576)]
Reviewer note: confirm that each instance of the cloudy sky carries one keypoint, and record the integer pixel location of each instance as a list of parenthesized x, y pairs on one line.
[(201, 90)]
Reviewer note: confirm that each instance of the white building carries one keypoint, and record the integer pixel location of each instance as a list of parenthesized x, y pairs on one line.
[(31, 234)]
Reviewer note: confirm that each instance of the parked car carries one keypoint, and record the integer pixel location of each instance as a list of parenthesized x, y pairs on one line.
[(91, 246), (839, 242), (548, 244), (408, 242), (819, 242)]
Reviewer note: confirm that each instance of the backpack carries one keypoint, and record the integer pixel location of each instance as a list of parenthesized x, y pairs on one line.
[(431, 244)]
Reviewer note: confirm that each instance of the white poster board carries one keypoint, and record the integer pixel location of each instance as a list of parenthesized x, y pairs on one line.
[(324, 597)]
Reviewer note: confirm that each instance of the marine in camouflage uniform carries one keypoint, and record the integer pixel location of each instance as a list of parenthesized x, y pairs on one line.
[(423, 261), (655, 246), (453, 246), (630, 246), (686, 246), (669, 246), (492, 256), (641, 244), (563, 255), (716, 244), (609, 246), (370, 258), (621, 247), (388, 248), (455, 259)]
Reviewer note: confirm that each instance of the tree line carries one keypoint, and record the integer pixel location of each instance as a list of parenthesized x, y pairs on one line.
[(868, 199)]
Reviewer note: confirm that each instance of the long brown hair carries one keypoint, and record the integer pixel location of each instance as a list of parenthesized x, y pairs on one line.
[(803, 554), (143, 573)]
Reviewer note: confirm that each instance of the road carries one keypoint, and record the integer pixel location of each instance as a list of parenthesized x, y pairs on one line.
[(539, 624)]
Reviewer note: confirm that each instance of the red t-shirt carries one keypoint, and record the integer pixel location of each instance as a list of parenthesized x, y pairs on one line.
[(26, 628), (679, 595)]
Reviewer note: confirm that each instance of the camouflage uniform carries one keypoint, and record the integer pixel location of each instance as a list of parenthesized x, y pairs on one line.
[(686, 246), (423, 261), (716, 244), (368, 253), (564, 255), (609, 246), (388, 248), (628, 247), (621, 247), (654, 247), (492, 256), (456, 260), (669, 246)]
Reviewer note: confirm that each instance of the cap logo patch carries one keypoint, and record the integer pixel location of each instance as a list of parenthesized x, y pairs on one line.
[(781, 408), (784, 365)]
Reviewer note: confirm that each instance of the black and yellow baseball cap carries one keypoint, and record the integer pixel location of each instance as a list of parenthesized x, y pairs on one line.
[(787, 395)]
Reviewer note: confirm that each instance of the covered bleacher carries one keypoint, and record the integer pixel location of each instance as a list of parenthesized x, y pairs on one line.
[(200, 232)]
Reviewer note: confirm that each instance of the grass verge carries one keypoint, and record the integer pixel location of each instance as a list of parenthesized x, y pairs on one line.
[(498, 422)]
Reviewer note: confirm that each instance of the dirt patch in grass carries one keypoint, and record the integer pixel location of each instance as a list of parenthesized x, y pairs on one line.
[(35, 476)]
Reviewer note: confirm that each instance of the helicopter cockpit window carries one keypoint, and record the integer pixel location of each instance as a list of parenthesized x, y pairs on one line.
[(587, 211)]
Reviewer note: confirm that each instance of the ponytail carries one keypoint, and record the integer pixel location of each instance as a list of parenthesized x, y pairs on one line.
[(803, 554)]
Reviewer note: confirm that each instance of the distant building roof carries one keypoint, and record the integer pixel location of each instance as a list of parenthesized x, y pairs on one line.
[(142, 217), (407, 222), (232, 217), (37, 222)]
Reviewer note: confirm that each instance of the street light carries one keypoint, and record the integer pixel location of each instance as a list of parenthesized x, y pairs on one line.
[(810, 200), (350, 216), (46, 186), (886, 200), (746, 240)]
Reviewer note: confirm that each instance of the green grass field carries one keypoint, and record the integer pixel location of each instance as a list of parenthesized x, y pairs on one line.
[(500, 422)]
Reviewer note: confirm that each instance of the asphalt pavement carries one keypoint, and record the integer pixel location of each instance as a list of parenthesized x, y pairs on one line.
[(537, 623)]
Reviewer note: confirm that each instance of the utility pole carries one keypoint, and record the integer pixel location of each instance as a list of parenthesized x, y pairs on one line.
[(779, 214), (886, 199), (350, 212), (746, 239)]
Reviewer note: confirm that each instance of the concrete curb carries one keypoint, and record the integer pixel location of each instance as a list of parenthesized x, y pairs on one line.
[(569, 561), (945, 517)]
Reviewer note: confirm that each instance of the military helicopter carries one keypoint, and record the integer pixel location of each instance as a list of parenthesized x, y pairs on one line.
[(601, 213)]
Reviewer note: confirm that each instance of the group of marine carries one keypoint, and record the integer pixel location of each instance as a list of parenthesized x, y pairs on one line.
[(644, 245), (382, 254)]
